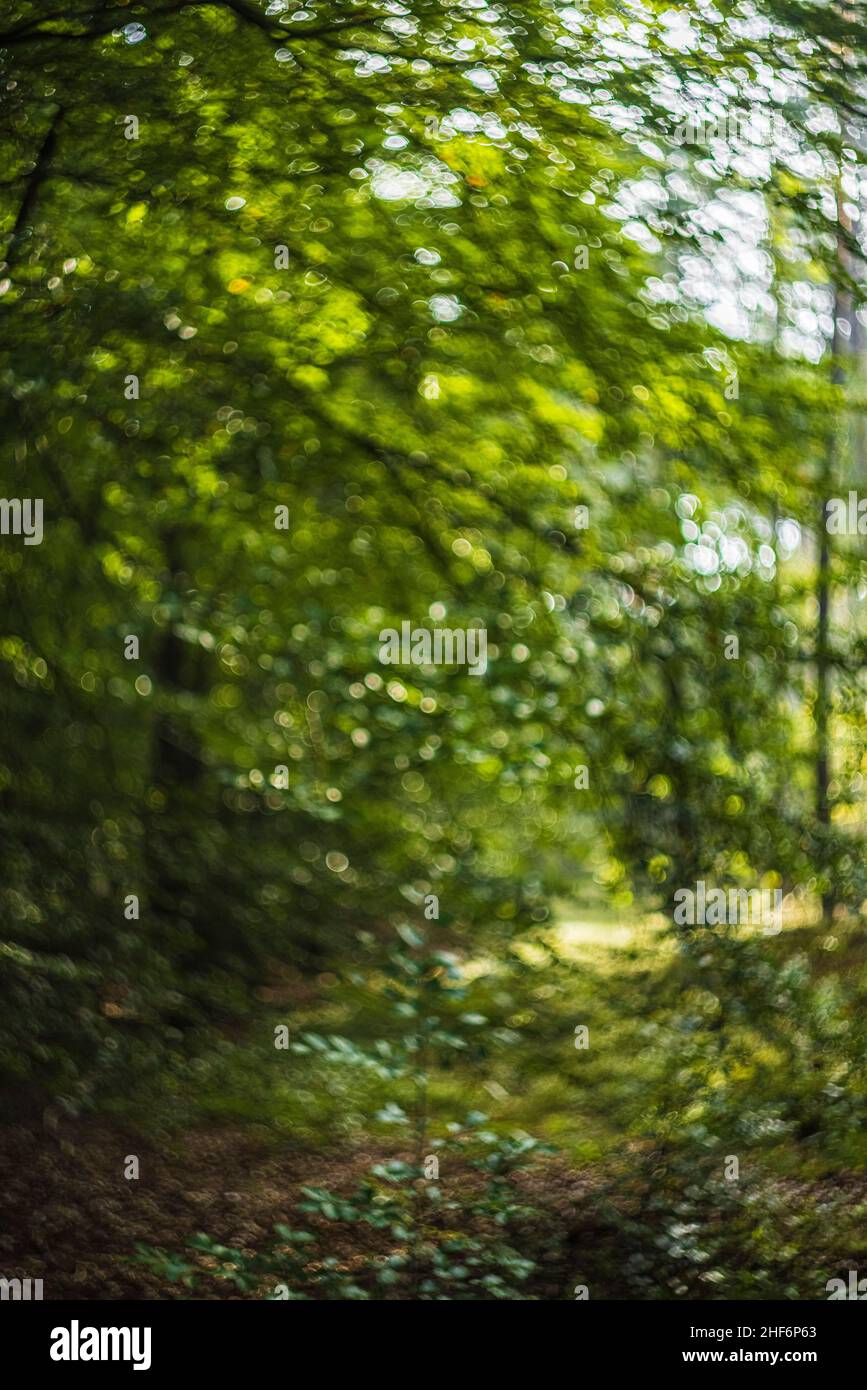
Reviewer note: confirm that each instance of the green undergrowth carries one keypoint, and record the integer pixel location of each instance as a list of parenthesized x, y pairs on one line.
[(775, 1075)]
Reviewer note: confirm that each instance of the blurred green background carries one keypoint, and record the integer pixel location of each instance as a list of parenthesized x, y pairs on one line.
[(322, 320)]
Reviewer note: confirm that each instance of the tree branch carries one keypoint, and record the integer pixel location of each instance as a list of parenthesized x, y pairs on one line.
[(34, 182)]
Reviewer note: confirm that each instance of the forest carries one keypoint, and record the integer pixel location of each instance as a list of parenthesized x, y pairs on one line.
[(433, 655)]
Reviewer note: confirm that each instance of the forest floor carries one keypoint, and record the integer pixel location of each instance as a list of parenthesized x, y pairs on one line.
[(232, 1161), (71, 1223)]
